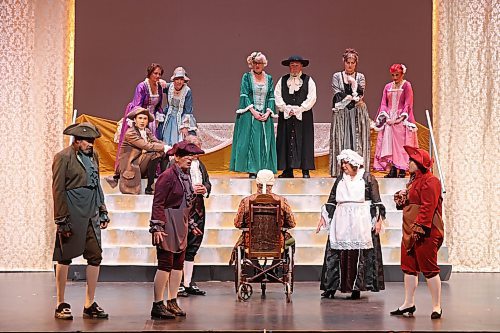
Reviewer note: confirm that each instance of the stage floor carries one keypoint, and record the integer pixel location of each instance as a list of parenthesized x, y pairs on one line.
[(471, 302)]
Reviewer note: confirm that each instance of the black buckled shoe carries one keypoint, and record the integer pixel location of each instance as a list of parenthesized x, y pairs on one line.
[(94, 312), (63, 311), (436, 315), (148, 191), (159, 311), (287, 173), (410, 310), (194, 290), (402, 173), (328, 294), (181, 292), (305, 174), (356, 294), (252, 175), (174, 308), (393, 173)]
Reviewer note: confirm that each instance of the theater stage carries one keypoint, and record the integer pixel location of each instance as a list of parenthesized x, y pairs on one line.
[(471, 303)]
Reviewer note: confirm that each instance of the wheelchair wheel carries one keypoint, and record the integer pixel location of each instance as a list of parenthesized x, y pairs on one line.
[(245, 291), (288, 292), (237, 270), (290, 266)]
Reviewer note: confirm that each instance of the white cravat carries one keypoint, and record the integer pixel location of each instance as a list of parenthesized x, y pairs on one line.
[(196, 177), (294, 83), (144, 134)]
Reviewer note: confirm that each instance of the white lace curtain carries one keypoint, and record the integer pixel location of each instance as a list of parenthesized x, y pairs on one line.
[(36, 62), (466, 89)]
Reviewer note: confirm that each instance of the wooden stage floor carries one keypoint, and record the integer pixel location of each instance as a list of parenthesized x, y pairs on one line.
[(471, 303)]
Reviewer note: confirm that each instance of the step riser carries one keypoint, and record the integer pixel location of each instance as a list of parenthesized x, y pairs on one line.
[(244, 186), (228, 237), (220, 255), (228, 203), (214, 220)]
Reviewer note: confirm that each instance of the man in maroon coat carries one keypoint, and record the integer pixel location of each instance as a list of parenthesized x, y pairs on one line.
[(170, 225)]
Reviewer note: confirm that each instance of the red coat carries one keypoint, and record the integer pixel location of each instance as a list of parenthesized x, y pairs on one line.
[(425, 190)]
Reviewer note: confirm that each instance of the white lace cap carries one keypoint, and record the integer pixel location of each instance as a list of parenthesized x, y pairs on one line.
[(265, 177), (350, 156)]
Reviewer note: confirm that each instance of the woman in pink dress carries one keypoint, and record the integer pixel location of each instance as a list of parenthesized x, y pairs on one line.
[(395, 125)]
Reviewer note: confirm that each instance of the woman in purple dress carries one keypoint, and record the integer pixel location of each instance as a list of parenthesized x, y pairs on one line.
[(148, 95)]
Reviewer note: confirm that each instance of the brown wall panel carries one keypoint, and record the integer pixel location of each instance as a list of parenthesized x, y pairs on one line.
[(117, 39)]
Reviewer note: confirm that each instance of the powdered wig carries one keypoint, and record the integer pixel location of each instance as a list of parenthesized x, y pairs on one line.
[(350, 53), (256, 57), (398, 68)]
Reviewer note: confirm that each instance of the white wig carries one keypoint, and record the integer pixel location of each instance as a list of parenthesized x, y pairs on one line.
[(256, 57), (265, 177), (351, 157)]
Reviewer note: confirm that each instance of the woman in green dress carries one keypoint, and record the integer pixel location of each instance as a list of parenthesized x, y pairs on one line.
[(254, 142)]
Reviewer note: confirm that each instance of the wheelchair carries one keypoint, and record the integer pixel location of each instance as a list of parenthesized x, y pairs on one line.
[(265, 258)]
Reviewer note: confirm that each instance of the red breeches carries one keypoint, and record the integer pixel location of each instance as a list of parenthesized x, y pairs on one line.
[(423, 256)]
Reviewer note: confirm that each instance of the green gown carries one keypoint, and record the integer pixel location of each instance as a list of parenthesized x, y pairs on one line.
[(254, 142)]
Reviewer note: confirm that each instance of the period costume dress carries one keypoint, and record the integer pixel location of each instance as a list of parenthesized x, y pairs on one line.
[(254, 143), (350, 127), (178, 114), (353, 256), (396, 102), (295, 134)]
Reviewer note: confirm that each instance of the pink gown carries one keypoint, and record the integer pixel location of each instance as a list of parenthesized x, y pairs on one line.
[(391, 139)]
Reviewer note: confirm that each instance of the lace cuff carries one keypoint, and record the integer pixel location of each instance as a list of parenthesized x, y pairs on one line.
[(156, 225)]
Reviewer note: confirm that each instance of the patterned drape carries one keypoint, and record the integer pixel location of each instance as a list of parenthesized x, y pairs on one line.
[(466, 97), (36, 93)]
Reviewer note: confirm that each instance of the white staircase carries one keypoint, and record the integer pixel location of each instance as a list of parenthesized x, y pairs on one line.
[(128, 242)]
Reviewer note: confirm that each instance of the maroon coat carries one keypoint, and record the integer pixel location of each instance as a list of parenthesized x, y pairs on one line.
[(168, 194)]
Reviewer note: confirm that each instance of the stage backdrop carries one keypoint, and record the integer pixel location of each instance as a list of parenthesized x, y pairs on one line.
[(117, 39)]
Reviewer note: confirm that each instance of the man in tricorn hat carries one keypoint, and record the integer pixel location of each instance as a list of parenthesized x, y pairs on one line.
[(139, 155), (169, 225), (80, 214), (295, 95)]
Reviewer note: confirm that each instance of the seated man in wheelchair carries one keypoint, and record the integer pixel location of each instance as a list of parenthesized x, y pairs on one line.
[(259, 247)]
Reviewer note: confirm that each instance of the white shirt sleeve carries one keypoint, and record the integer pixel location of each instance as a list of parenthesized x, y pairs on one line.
[(278, 100), (311, 97)]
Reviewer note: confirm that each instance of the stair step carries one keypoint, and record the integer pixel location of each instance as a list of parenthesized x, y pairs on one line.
[(219, 255), (229, 236), (137, 219)]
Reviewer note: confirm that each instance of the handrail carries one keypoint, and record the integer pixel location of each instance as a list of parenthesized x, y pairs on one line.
[(434, 147), (73, 120)]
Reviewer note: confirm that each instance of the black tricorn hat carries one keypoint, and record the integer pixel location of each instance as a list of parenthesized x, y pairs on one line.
[(185, 148), (84, 130), (297, 58)]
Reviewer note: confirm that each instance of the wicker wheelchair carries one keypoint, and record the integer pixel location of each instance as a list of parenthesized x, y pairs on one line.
[(263, 257)]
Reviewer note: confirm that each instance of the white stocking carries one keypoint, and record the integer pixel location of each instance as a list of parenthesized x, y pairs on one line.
[(188, 272), (434, 285), (411, 283)]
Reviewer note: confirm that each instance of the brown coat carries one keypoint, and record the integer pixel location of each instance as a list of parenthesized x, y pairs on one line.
[(135, 155)]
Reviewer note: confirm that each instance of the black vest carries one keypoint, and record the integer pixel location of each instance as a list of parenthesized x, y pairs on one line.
[(297, 97)]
